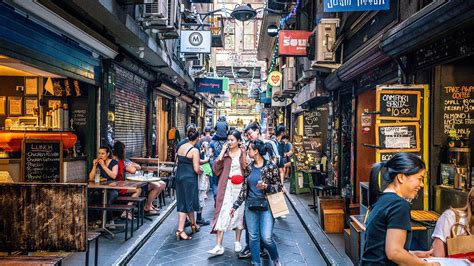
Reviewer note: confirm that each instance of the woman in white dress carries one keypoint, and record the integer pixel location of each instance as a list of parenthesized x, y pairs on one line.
[(229, 166)]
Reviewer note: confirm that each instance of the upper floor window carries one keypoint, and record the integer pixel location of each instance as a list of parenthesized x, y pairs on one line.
[(229, 33)]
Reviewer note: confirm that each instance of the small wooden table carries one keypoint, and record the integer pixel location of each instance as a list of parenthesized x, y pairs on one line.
[(111, 185)]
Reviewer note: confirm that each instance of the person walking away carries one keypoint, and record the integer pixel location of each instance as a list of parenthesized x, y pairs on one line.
[(279, 133), (388, 234), (203, 183), (230, 166), (464, 216), (217, 141), (288, 152), (262, 178), (188, 168), (206, 137)]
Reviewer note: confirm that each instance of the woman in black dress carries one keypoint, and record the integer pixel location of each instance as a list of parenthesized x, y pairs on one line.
[(187, 200)]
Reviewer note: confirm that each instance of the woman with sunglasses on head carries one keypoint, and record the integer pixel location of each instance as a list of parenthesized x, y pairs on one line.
[(230, 167), (261, 177), (188, 168), (388, 234), (464, 216)]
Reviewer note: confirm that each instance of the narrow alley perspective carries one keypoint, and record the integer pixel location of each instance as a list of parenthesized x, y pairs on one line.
[(236, 132)]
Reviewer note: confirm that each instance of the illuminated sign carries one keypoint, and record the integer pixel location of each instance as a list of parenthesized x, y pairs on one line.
[(293, 42)]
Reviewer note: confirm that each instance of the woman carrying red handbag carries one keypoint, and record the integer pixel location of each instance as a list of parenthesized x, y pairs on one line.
[(229, 166)]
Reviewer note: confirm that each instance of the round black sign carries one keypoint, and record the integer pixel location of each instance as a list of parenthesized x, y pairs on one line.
[(272, 30)]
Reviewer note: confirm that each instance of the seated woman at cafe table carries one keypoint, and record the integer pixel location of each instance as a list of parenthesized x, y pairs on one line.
[(119, 155), (154, 188), (442, 231), (108, 169)]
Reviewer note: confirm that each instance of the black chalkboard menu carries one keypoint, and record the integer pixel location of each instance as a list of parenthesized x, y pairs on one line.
[(312, 148), (41, 161), (299, 153), (398, 105), (458, 110), (312, 123), (400, 137)]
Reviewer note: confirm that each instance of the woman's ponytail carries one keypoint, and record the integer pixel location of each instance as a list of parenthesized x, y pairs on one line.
[(374, 188)]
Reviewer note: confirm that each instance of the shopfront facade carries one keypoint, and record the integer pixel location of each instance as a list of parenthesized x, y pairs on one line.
[(50, 83)]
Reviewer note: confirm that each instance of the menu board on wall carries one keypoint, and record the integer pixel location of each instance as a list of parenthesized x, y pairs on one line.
[(311, 126), (458, 110), (398, 105), (41, 161), (312, 148), (299, 153), (400, 137)]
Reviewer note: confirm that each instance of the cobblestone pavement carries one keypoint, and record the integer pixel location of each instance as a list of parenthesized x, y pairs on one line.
[(294, 245)]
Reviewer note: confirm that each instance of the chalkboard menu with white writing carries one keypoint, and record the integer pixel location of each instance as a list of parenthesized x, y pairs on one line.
[(458, 110), (312, 123), (41, 161), (398, 104), (299, 153), (312, 148), (401, 137)]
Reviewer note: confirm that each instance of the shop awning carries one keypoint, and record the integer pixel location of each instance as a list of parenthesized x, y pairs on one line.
[(427, 25)]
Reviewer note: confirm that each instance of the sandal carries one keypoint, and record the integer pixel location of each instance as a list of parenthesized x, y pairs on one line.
[(179, 235), (125, 216), (156, 209), (151, 212), (195, 228)]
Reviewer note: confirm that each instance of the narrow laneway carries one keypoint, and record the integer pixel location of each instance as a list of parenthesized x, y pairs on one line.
[(294, 245)]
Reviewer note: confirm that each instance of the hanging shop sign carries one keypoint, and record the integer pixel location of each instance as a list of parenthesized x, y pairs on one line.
[(293, 42), (196, 41), (209, 85), (272, 30), (274, 79), (353, 5)]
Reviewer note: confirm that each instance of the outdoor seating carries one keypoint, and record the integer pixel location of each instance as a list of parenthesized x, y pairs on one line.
[(91, 236), (30, 260), (118, 208), (140, 203)]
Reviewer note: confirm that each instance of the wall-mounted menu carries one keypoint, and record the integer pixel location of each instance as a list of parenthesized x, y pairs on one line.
[(458, 110), (299, 154), (401, 137), (312, 123), (312, 148), (398, 105), (41, 161)]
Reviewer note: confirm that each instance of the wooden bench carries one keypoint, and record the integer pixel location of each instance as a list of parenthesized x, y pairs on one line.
[(119, 208), (91, 236), (30, 260), (140, 202)]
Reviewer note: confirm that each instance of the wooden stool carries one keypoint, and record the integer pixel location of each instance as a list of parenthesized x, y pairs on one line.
[(333, 221), (91, 236)]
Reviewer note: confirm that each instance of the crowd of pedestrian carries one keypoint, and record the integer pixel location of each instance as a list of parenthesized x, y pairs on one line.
[(240, 169)]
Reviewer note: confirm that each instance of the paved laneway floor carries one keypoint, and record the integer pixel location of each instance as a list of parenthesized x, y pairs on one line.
[(294, 245)]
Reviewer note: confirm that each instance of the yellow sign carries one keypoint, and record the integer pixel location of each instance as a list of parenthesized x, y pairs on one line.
[(274, 79)]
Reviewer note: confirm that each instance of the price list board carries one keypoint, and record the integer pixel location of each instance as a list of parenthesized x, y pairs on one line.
[(458, 110), (41, 161), (398, 105)]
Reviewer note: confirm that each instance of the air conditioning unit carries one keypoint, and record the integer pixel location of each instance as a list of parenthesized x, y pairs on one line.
[(157, 8), (325, 51), (289, 76)]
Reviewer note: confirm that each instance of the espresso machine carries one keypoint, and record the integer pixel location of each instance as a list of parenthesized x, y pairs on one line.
[(460, 157)]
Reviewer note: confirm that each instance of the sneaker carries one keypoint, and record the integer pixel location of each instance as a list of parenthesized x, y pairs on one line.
[(245, 253), (283, 217), (217, 250), (237, 246), (203, 222)]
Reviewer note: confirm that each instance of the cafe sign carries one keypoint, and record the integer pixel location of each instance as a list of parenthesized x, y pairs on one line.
[(274, 79), (196, 41), (209, 85), (355, 5), (293, 42)]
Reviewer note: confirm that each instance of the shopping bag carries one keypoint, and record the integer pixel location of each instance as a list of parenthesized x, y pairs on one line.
[(277, 204), (461, 246)]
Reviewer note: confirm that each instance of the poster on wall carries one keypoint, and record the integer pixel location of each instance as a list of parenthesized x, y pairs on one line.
[(15, 106)]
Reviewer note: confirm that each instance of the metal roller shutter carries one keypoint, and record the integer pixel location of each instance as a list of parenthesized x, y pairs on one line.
[(130, 111)]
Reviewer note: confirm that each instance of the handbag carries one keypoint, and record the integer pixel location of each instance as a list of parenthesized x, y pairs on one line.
[(277, 204), (257, 204), (236, 179), (460, 246)]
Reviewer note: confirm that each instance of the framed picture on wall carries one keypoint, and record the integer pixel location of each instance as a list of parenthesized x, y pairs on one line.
[(15, 106), (3, 103), (31, 106), (31, 86)]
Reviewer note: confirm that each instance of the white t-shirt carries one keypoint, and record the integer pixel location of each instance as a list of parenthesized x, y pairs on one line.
[(445, 222), (235, 166)]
